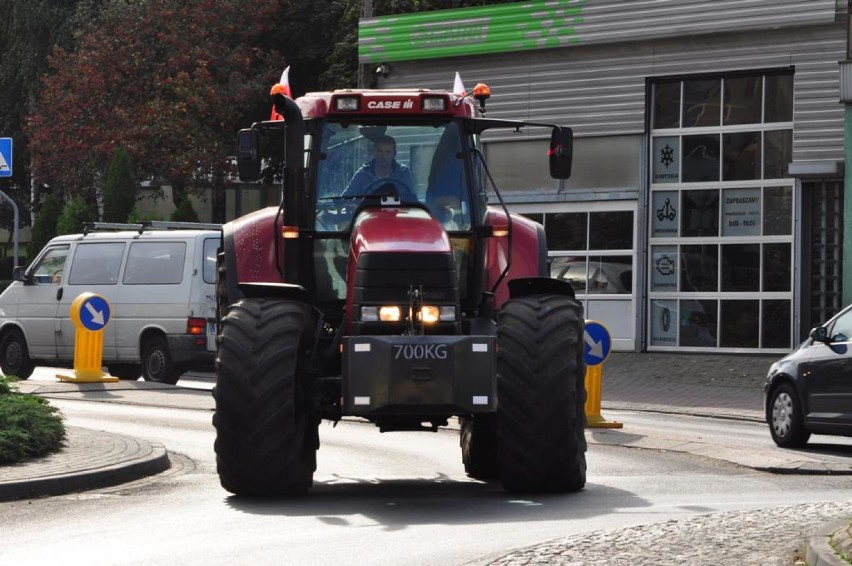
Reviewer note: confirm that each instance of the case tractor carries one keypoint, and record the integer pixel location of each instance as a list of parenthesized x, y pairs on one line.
[(413, 300)]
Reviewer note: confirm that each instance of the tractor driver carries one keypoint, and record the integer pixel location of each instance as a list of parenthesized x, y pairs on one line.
[(383, 167)]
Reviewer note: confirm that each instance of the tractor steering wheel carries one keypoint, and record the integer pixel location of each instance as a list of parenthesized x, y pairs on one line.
[(398, 188)]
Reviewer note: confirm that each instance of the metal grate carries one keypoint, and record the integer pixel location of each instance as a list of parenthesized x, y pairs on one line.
[(826, 250)]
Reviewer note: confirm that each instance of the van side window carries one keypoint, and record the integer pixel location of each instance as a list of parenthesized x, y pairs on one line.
[(211, 248), (48, 270), (155, 263), (96, 263)]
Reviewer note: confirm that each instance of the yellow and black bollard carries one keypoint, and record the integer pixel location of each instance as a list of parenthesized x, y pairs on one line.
[(598, 344), (90, 315)]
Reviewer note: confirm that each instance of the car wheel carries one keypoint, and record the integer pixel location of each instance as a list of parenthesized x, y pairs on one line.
[(785, 418), (157, 362), (14, 355)]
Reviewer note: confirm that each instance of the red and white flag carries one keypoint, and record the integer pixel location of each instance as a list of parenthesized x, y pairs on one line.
[(458, 86), (281, 87)]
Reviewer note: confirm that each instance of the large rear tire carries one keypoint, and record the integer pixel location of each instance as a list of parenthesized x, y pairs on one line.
[(266, 437), (541, 415)]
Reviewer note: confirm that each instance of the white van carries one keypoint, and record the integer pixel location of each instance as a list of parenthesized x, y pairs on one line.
[(159, 279)]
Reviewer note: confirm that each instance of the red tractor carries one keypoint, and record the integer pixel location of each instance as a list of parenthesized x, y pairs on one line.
[(385, 287)]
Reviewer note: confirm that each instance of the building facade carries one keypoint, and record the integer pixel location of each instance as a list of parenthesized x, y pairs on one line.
[(705, 212)]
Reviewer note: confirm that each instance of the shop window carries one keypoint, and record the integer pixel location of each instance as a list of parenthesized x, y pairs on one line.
[(776, 267), (701, 102), (698, 323), (740, 324), (740, 268), (740, 212), (700, 158), (743, 100), (699, 268), (664, 326), (667, 104), (664, 268), (611, 230), (777, 211), (775, 324), (779, 98), (666, 159), (574, 237), (726, 241), (700, 213), (778, 152), (566, 230), (742, 156), (664, 219), (610, 274)]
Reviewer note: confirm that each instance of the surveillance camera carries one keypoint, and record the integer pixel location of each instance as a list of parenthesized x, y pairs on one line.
[(382, 70)]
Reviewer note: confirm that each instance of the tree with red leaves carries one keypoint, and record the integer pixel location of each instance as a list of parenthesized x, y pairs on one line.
[(169, 81)]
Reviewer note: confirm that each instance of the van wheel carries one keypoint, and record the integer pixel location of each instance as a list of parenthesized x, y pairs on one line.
[(128, 372), (14, 355), (157, 362)]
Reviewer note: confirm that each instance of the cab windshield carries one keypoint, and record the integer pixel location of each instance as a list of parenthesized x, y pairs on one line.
[(418, 164)]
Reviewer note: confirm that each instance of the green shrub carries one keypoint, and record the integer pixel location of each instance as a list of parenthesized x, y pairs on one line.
[(29, 426), (74, 216), (184, 212)]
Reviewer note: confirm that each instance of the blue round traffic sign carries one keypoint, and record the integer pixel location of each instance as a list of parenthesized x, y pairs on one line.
[(94, 313), (597, 343)]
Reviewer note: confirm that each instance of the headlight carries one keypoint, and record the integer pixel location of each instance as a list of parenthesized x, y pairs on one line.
[(393, 313), (434, 104), (390, 314), (432, 314), (773, 369), (347, 103)]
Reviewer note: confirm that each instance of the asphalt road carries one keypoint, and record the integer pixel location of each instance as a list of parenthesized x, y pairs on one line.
[(399, 498)]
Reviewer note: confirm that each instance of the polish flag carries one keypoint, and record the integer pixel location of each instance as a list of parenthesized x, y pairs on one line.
[(458, 87), (282, 87)]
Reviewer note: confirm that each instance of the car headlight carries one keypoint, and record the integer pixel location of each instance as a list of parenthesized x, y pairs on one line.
[(773, 369)]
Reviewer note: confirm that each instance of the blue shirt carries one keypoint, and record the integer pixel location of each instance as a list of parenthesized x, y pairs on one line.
[(366, 176)]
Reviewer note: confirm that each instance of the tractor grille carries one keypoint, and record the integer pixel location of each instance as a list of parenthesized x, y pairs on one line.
[(386, 279)]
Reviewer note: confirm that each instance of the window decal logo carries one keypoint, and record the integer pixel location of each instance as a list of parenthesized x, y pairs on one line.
[(666, 212), (666, 155)]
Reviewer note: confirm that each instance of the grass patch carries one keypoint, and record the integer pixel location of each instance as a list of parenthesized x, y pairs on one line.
[(29, 426)]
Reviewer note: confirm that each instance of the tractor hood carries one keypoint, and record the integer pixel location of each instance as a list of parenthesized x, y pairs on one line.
[(393, 250)]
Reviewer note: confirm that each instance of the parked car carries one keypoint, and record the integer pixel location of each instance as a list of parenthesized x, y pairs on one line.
[(159, 280), (809, 391)]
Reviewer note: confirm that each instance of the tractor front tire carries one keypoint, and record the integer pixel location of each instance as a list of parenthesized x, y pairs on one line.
[(478, 439), (266, 438), (541, 415)]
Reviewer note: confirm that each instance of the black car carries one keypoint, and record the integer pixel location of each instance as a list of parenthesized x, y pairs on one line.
[(810, 390)]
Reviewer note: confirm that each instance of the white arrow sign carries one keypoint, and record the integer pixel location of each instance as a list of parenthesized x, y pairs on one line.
[(97, 316), (596, 348)]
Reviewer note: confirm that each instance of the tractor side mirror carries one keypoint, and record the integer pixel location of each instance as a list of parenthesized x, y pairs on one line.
[(561, 152), (248, 155)]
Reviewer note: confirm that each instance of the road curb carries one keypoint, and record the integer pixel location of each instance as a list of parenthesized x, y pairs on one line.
[(820, 552), (110, 460)]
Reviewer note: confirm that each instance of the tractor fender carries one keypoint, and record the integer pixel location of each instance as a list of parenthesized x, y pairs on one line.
[(251, 252), (528, 254)]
